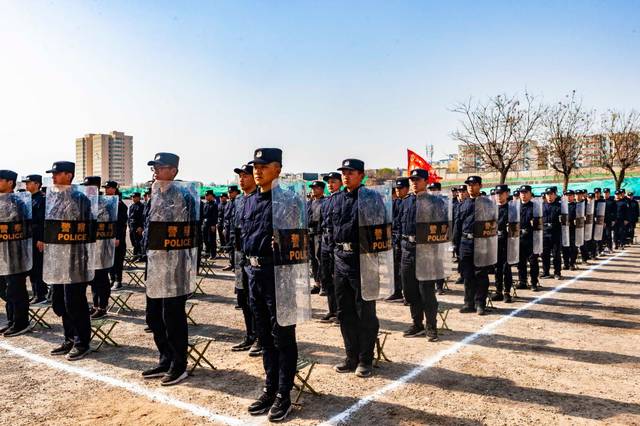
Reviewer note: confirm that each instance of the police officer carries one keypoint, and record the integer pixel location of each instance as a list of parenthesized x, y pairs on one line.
[(39, 288), (463, 194), (250, 341), (420, 295), (476, 279), (229, 214), (222, 205), (581, 198), (402, 192), (358, 320), (111, 188), (598, 198), (634, 213), (526, 241), (609, 219), (622, 220), (504, 276), (570, 253), (280, 349), (314, 206), (209, 222), (552, 234), (136, 223), (15, 287), (327, 246)]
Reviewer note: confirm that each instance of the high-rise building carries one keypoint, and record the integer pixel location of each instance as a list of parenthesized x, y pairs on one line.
[(109, 156)]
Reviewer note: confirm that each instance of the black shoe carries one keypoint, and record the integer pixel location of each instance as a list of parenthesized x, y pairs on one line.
[(535, 287), (256, 349), (14, 331), (147, 329), (480, 310), (280, 409), (39, 301), (117, 285), (467, 310), (507, 298), (498, 297), (322, 292), (99, 313), (414, 331), (237, 307), (315, 290), (364, 370), (173, 378), (63, 349), (522, 286), (78, 353), (152, 373), (328, 317), (346, 367), (432, 335), (441, 291), (394, 298), (245, 345), (460, 281), (262, 404), (228, 268), (5, 327), (546, 276), (557, 276)]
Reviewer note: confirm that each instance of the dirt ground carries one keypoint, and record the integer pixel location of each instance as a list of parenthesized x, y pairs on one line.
[(571, 358)]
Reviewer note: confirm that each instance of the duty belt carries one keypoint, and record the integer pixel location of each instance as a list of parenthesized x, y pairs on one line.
[(410, 238), (259, 261), (467, 236), (548, 225), (346, 247), (501, 234)]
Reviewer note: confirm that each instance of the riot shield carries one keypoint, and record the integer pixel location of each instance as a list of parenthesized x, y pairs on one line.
[(588, 222), (513, 232), (598, 226), (16, 244), (290, 252), (485, 232), (172, 252), (564, 221), (106, 231), (433, 236), (537, 225), (70, 234), (580, 207), (237, 253), (374, 234)]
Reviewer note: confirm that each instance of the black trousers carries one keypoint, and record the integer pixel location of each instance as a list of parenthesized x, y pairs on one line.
[(551, 246), (620, 234), (569, 255), (358, 320), (69, 301), (167, 319), (476, 282), (504, 276), (327, 266), (38, 286), (242, 296), (118, 263), (221, 236), (631, 232), (209, 239), (607, 236), (314, 257), (101, 289), (397, 278), (280, 349), (136, 242), (527, 257), (421, 295), (16, 298)]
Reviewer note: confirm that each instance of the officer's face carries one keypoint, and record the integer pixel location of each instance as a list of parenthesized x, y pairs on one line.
[(62, 178), (571, 198), (525, 196), (32, 187), (462, 195), (208, 197), (418, 185), (264, 174), (246, 181), (474, 189), (135, 199), (6, 186), (503, 197), (317, 191), (402, 192), (551, 197), (233, 195), (164, 172), (352, 178), (110, 191), (334, 185)]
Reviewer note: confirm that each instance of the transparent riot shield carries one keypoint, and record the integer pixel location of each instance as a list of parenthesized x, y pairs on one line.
[(290, 252), (564, 221), (537, 225), (513, 232), (598, 226), (433, 236), (69, 234), (16, 244), (485, 232), (588, 221), (376, 255), (106, 231), (172, 251), (580, 209)]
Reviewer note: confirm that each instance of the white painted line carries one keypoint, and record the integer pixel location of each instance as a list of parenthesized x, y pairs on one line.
[(196, 410), (427, 363)]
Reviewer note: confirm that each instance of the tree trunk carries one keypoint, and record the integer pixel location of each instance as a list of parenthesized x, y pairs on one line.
[(565, 184), (503, 176), (620, 179)]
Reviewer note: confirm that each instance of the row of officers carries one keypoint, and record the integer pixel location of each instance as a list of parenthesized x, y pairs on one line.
[(357, 245)]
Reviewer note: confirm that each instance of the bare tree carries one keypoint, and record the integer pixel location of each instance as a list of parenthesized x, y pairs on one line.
[(620, 142), (499, 129), (566, 126)]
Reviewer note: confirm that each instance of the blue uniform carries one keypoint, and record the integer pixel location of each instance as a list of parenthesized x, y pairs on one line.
[(38, 286), (314, 208), (527, 256), (358, 320), (504, 276), (552, 238), (280, 350), (242, 294), (327, 245)]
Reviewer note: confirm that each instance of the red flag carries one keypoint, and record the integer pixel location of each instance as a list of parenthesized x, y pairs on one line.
[(417, 162)]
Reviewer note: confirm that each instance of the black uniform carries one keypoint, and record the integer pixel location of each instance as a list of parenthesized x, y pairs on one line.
[(634, 213), (209, 222), (327, 246), (242, 294), (620, 223), (570, 254), (121, 236), (280, 349), (421, 295), (600, 245), (221, 235), (229, 214), (396, 234), (504, 276), (38, 286), (610, 214), (552, 241), (526, 248), (358, 320), (136, 221), (314, 214)]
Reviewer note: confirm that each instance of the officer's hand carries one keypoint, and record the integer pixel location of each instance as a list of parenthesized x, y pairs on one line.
[(40, 246), (117, 243), (139, 231), (626, 222)]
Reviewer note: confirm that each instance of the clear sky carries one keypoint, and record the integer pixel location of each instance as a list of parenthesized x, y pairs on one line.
[(323, 80)]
